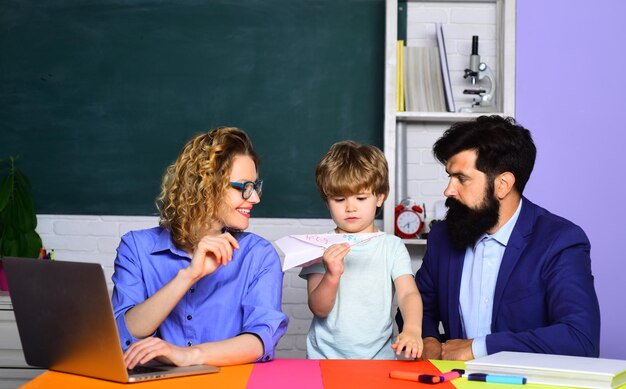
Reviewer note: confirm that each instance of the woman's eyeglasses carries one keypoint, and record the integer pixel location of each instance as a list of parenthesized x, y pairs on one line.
[(248, 187)]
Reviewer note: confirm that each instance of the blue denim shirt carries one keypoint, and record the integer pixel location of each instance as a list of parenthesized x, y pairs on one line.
[(242, 297)]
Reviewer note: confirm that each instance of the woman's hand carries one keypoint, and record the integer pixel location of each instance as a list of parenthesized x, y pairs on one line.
[(150, 348), (212, 252)]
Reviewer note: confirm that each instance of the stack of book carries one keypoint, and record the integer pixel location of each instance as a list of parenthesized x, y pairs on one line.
[(559, 370), (424, 87), (423, 81)]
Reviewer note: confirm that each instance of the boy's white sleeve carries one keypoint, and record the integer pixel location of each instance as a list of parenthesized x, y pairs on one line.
[(401, 260)]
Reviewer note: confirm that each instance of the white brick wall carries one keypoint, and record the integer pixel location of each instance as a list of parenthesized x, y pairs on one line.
[(426, 177)]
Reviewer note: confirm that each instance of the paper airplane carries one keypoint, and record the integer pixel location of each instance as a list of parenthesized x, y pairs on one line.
[(305, 250)]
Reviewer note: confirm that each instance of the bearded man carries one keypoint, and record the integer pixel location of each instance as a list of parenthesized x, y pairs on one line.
[(501, 273)]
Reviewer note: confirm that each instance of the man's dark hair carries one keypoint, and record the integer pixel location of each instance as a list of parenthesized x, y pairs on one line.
[(502, 145)]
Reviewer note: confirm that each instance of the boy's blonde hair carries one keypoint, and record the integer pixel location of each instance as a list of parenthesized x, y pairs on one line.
[(194, 187), (349, 168)]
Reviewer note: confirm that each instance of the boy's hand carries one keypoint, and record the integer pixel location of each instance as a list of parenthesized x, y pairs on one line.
[(333, 258), (410, 342)]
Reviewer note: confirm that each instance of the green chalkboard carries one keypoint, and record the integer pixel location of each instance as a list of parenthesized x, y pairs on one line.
[(97, 97)]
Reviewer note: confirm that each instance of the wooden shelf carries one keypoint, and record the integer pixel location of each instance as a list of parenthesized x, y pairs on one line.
[(414, 242), (441, 117)]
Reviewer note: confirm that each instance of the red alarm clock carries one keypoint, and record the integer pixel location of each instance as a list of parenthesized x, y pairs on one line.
[(408, 222)]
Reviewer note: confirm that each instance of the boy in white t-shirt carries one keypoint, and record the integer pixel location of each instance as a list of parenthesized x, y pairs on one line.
[(351, 291)]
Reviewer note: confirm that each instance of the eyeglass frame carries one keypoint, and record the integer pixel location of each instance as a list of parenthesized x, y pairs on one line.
[(256, 186)]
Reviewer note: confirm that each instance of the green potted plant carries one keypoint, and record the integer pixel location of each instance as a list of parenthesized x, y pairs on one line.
[(18, 219)]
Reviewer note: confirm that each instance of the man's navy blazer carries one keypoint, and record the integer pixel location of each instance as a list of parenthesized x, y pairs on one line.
[(544, 300)]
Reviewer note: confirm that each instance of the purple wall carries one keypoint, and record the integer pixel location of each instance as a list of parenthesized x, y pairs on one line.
[(571, 88)]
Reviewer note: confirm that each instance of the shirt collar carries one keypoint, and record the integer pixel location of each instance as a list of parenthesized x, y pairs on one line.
[(164, 243), (504, 233)]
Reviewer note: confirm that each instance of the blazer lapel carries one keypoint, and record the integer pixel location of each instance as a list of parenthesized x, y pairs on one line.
[(454, 283), (514, 248)]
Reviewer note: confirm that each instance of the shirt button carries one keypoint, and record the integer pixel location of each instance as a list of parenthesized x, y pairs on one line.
[(128, 342), (192, 290), (267, 358), (189, 343), (188, 317)]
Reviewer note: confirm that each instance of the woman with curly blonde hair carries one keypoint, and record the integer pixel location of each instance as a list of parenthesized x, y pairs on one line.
[(197, 289)]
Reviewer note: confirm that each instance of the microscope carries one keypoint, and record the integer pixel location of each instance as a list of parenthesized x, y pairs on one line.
[(477, 72)]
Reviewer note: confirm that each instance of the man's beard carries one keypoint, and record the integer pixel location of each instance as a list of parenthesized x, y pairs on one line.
[(466, 225)]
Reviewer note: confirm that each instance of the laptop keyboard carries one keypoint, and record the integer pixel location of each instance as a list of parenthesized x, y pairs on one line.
[(143, 370)]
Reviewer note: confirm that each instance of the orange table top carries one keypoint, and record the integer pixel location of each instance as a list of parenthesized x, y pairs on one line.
[(277, 374)]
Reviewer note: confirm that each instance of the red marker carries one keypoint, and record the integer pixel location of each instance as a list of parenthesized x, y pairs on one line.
[(411, 376)]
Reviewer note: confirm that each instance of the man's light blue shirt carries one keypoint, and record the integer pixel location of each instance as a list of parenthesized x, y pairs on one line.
[(241, 297), (478, 282)]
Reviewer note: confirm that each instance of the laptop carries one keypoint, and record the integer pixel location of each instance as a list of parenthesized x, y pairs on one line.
[(65, 320)]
